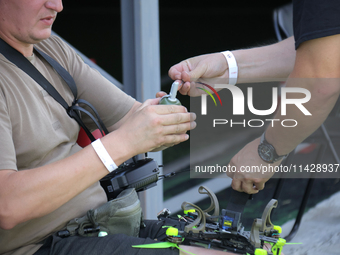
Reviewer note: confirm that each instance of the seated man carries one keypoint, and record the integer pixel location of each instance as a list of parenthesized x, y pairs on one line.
[(46, 179)]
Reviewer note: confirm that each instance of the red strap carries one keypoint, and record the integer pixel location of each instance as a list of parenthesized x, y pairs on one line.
[(84, 140)]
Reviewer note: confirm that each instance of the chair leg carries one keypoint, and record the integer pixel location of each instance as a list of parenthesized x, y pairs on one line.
[(301, 210), (278, 188), (330, 144), (306, 194)]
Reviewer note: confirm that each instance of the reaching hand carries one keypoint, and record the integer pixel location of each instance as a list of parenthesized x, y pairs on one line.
[(210, 66)]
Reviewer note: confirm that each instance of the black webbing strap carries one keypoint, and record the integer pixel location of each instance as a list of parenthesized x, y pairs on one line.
[(235, 207), (74, 110), (238, 201)]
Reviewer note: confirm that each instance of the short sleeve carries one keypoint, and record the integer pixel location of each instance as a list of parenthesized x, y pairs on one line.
[(111, 103), (314, 19), (7, 150)]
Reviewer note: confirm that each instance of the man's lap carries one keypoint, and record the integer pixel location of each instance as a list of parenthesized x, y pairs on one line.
[(110, 244)]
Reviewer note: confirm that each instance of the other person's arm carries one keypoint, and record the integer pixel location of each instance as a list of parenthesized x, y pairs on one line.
[(274, 61)]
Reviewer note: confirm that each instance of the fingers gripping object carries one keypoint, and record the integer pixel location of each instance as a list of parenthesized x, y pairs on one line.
[(204, 230)]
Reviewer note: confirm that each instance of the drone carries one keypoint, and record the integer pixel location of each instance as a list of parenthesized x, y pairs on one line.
[(222, 231), (225, 231)]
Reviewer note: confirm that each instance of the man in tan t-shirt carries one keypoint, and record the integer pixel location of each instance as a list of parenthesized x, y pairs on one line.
[(46, 179)]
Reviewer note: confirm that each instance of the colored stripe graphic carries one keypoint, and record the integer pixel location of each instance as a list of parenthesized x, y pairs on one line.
[(213, 90), (206, 91)]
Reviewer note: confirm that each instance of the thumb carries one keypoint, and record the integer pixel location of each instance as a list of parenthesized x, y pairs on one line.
[(153, 101), (160, 94)]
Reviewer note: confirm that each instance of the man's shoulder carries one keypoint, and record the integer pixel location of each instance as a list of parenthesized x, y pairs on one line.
[(58, 49), (52, 44)]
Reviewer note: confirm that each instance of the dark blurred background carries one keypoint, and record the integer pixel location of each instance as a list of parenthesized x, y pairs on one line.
[(187, 28)]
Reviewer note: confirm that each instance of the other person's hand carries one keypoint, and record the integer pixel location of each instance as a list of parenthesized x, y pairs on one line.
[(209, 66), (251, 171)]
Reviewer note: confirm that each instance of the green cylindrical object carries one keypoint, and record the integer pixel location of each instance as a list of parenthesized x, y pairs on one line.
[(171, 98), (167, 100)]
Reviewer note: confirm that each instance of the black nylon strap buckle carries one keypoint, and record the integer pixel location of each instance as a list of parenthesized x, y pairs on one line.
[(70, 109)]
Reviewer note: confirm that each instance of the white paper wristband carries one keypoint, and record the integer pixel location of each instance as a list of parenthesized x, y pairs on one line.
[(104, 155), (232, 65)]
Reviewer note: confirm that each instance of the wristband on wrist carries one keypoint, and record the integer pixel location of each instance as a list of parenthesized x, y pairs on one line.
[(104, 155), (232, 66)]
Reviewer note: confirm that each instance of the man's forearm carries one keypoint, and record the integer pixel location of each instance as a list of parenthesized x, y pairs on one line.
[(274, 61), (133, 109), (29, 194)]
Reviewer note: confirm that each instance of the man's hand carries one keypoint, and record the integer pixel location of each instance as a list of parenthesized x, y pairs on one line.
[(245, 181), (160, 94), (152, 126), (200, 67)]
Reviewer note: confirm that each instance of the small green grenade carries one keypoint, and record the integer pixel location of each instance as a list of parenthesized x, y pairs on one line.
[(171, 98)]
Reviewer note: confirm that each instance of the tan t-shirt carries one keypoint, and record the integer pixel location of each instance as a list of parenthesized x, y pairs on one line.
[(35, 130)]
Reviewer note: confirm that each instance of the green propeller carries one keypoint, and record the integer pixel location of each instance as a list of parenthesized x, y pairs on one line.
[(161, 245)]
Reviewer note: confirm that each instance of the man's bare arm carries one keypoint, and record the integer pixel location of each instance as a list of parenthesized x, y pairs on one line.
[(270, 62), (28, 194), (317, 69), (117, 125)]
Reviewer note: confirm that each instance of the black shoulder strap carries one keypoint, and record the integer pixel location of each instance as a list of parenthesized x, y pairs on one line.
[(234, 210), (74, 110)]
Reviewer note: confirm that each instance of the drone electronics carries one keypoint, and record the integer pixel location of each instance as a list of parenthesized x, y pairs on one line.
[(224, 231)]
